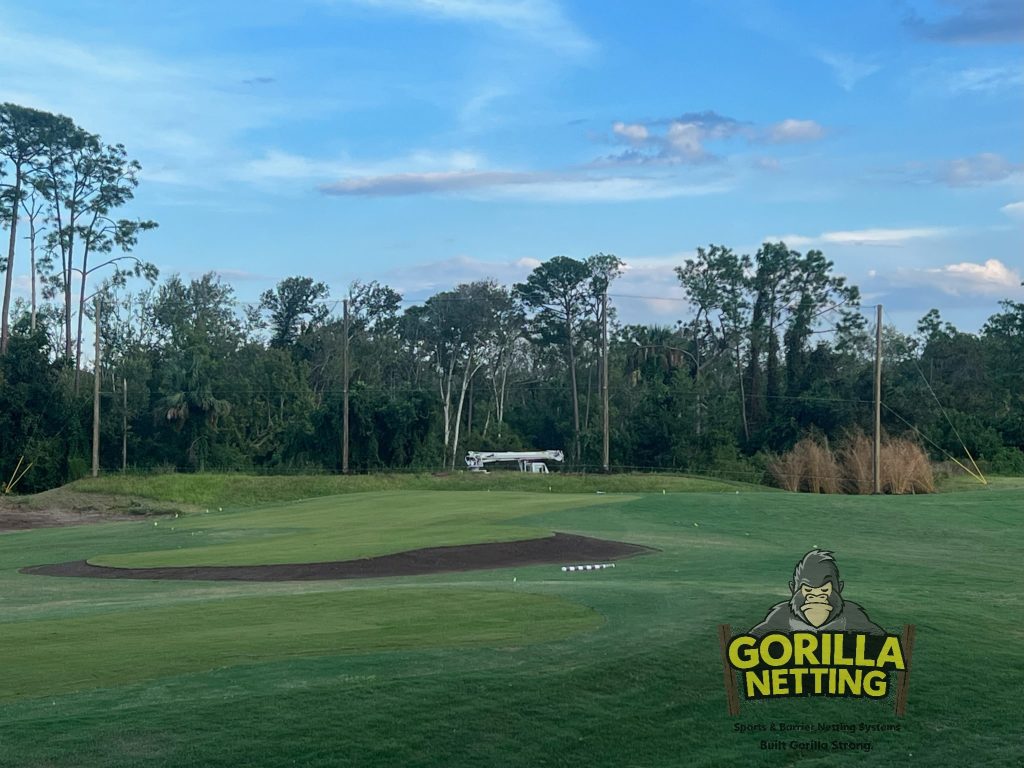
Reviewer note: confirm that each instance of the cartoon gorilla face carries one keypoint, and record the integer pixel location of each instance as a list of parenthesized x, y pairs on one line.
[(816, 589)]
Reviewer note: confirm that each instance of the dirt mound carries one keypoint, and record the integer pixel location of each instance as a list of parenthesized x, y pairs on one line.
[(61, 507), (562, 548)]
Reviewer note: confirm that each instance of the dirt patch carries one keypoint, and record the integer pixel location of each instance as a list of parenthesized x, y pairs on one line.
[(561, 548), (59, 508)]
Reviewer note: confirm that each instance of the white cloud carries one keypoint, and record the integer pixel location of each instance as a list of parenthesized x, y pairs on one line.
[(234, 275), (419, 281), (1014, 210), (866, 237), (685, 140), (276, 165), (522, 185), (183, 120), (848, 70), (647, 291), (541, 21), (770, 164), (636, 132), (980, 169), (796, 130), (985, 79), (672, 141), (888, 237), (978, 22), (993, 279)]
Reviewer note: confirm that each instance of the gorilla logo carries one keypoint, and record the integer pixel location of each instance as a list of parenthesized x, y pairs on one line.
[(817, 603)]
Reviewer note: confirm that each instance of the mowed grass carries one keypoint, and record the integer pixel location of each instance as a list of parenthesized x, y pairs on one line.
[(343, 528), (64, 655), (211, 490), (515, 667)]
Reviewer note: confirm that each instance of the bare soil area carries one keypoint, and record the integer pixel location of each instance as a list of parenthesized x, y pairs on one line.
[(559, 549), (60, 507)]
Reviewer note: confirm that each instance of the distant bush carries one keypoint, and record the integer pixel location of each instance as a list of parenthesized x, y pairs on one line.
[(811, 466), (905, 468), (1005, 461), (856, 456)]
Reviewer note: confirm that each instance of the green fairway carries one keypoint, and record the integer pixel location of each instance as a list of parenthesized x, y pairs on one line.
[(511, 667), (64, 655), (344, 527), (239, 490)]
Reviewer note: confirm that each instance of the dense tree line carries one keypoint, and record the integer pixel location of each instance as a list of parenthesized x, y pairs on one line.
[(773, 346)]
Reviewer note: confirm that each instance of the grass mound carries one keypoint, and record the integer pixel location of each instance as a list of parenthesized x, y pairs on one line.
[(238, 490)]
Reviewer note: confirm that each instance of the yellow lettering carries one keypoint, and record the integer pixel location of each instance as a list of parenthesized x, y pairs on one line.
[(780, 685), (798, 680), (785, 652), (849, 681), (805, 647), (875, 683), (837, 658), (743, 652), (862, 660), (761, 682), (819, 672), (891, 653), (826, 649)]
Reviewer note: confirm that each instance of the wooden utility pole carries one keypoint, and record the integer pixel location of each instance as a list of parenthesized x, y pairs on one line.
[(732, 695), (877, 463), (344, 412), (604, 378), (124, 424), (96, 396)]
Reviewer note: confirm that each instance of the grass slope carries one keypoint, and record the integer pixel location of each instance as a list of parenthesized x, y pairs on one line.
[(237, 490), (185, 674), (343, 528)]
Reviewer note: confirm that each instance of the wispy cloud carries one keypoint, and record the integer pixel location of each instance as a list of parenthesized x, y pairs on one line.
[(1014, 210), (972, 171), (540, 21), (569, 186), (986, 79), (795, 131), (685, 139), (277, 165), (848, 70), (985, 168), (992, 278), (648, 288), (864, 237), (184, 120), (234, 275), (671, 141), (978, 22), (420, 281)]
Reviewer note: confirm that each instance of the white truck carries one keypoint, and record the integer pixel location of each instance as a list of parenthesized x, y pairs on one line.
[(528, 461)]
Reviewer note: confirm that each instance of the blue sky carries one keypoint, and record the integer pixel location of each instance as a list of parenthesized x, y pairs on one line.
[(427, 142)]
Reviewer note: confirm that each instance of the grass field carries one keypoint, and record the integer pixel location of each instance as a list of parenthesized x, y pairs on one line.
[(513, 667)]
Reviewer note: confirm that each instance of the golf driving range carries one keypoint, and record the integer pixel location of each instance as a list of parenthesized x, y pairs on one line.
[(503, 664)]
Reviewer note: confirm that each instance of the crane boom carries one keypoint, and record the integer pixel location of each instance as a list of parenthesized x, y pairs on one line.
[(527, 460)]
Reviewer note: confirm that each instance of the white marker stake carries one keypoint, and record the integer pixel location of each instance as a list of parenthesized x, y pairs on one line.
[(591, 567)]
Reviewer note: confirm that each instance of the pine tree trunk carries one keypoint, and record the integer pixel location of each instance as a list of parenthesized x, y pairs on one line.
[(5, 328), (575, 391)]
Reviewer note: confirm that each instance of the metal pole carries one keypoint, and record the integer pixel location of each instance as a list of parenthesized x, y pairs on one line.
[(124, 425), (96, 396), (344, 417), (877, 464), (604, 377)]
